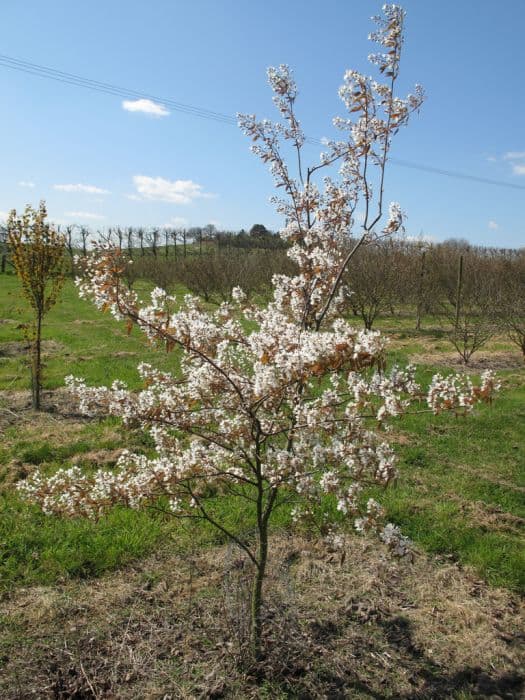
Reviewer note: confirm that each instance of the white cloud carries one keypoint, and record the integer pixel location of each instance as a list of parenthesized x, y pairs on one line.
[(177, 222), (146, 107), (87, 189), (514, 155), (518, 169), (492, 159), (3, 215), (493, 225), (160, 189), (84, 215), (422, 238), (26, 183)]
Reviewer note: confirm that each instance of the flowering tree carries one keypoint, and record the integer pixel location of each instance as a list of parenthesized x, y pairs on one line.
[(288, 401)]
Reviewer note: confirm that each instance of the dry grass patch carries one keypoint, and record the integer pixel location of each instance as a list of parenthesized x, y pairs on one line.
[(57, 408), (101, 458), (176, 625), (15, 348), (489, 516), (496, 360)]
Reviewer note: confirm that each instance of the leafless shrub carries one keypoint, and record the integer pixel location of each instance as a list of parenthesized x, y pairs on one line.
[(163, 273), (378, 280), (469, 307), (214, 275), (511, 301)]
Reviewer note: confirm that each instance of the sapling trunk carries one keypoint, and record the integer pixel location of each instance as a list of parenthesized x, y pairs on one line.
[(36, 368), (257, 594), (420, 293), (459, 286)]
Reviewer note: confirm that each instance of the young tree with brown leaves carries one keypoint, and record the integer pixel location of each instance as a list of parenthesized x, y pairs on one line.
[(38, 254)]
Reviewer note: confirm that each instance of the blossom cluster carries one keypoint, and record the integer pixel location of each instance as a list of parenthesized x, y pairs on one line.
[(457, 393)]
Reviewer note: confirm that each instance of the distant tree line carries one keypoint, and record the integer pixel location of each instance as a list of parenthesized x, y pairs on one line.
[(169, 242)]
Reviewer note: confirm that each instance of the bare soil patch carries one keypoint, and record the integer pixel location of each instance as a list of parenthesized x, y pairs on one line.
[(501, 359), (102, 458), (15, 348), (13, 472), (175, 626), (58, 410), (490, 516)]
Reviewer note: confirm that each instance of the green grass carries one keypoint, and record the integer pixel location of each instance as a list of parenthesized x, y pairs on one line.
[(42, 549), (462, 486), (461, 490), (85, 342)]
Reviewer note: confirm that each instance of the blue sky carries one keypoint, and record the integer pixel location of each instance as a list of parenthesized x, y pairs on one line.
[(467, 55)]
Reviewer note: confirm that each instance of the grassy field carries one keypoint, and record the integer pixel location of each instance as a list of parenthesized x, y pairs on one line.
[(460, 495), (461, 490)]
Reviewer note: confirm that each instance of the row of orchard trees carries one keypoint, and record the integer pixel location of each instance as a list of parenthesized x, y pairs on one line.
[(471, 292)]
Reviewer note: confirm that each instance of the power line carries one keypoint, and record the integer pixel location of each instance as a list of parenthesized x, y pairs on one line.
[(443, 171), (107, 88), (41, 71), (453, 173)]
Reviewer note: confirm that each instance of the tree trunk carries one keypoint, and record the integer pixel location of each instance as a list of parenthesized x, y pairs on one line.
[(154, 244), (257, 594), (458, 292), (420, 293), (36, 366)]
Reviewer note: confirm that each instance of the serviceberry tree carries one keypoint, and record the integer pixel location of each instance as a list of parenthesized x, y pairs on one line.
[(287, 401)]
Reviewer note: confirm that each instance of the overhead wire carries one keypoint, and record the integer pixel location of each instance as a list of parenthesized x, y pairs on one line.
[(42, 71), (108, 88)]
